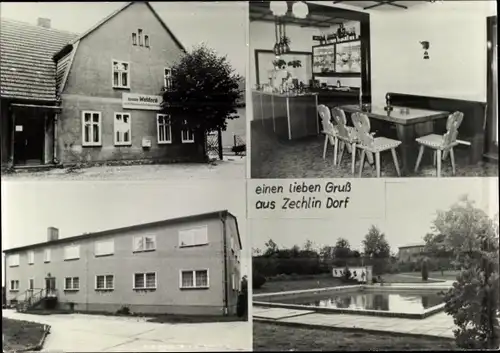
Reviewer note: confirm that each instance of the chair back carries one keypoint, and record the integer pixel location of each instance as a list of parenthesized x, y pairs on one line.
[(324, 114), (340, 119), (362, 125), (452, 124)]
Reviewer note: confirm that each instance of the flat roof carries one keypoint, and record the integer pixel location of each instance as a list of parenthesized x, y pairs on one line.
[(215, 214), (412, 246)]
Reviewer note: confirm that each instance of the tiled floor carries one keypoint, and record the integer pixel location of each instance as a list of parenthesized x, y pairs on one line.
[(440, 324), (272, 158)]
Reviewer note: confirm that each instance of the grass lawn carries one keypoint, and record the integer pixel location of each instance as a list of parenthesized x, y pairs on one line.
[(269, 337), (18, 335)]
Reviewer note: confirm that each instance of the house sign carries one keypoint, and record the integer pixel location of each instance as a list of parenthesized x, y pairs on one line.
[(141, 101)]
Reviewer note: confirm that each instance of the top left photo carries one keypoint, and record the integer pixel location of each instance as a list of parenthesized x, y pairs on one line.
[(110, 90)]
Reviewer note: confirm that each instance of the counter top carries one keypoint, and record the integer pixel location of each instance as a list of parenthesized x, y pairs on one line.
[(287, 95)]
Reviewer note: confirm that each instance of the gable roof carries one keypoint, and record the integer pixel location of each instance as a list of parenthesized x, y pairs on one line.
[(192, 218), (27, 70)]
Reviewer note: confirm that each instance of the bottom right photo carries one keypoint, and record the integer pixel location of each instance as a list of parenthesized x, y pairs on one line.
[(424, 277)]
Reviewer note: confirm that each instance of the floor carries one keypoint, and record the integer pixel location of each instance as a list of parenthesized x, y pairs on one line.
[(272, 158), (232, 167), (93, 333), (439, 325)]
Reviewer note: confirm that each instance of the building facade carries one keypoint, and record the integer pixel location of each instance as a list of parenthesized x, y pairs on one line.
[(410, 253), (103, 91), (187, 265)]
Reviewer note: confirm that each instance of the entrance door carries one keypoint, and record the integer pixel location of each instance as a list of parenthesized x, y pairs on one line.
[(50, 286), (29, 138)]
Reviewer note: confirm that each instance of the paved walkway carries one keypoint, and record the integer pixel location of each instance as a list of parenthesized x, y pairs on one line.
[(94, 333), (439, 325), (233, 167)]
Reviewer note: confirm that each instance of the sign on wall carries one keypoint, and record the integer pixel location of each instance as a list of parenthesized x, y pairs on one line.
[(141, 101)]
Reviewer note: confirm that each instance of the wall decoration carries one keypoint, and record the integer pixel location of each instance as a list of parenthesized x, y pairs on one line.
[(425, 45), (348, 57)]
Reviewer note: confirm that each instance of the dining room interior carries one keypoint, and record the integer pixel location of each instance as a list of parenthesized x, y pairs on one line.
[(373, 89)]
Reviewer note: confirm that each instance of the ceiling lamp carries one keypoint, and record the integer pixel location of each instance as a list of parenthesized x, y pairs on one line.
[(279, 8), (300, 9)]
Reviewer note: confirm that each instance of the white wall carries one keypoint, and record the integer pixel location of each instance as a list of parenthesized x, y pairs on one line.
[(456, 31)]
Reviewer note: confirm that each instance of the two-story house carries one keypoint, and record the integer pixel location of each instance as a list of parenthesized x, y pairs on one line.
[(410, 253), (103, 91), (188, 265)]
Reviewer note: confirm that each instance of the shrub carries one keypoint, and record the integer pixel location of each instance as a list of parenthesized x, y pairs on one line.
[(258, 281), (124, 310), (425, 271)]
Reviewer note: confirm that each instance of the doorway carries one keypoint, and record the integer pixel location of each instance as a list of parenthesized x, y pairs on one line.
[(492, 90), (50, 286), (29, 138)]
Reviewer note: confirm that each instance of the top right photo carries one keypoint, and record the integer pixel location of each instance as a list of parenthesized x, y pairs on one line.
[(373, 89)]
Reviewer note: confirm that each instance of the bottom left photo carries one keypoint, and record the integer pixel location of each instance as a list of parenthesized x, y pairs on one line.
[(125, 266)]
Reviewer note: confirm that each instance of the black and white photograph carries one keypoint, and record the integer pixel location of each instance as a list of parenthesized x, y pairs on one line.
[(424, 277), (373, 89), (117, 90), (125, 266)]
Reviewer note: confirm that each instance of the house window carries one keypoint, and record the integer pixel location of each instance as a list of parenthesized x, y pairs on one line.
[(134, 39), (14, 260), (144, 243), (46, 255), (122, 129), (140, 36), (231, 242), (91, 129), (194, 279), (104, 282), (145, 280), (71, 252), (14, 285), (31, 257), (31, 284), (187, 135), (233, 281), (193, 237), (167, 78), (164, 129), (105, 247), (72, 283), (121, 73), (146, 41)]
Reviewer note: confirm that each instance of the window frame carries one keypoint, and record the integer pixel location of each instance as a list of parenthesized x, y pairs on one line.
[(71, 258), (119, 76), (164, 142), (31, 257), (129, 142), (29, 283), (103, 241), (99, 124), (105, 282), (191, 229), (45, 252), (134, 287), (14, 256), (165, 85), (139, 36), (11, 289), (146, 41), (194, 278), (144, 243), (189, 132), (72, 284), (134, 38)]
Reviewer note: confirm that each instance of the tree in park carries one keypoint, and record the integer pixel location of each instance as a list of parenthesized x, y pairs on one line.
[(377, 249), (342, 252), (472, 236), (203, 94), (271, 248)]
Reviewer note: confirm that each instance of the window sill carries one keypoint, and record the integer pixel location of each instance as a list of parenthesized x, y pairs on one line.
[(46, 262), (96, 145), (145, 289), (188, 141), (194, 288), (71, 290), (164, 142), (103, 255), (105, 289), (13, 265), (139, 251), (192, 246), (31, 263), (75, 259), (13, 290), (127, 144), (121, 87)]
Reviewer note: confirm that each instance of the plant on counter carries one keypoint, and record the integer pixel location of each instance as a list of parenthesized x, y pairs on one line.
[(204, 94), (295, 63), (279, 63)]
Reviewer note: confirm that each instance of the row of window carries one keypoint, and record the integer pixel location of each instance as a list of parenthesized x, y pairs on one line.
[(137, 39), (121, 75), (91, 129), (186, 238), (148, 280)]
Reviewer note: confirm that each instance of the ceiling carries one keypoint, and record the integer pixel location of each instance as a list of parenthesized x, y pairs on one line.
[(381, 5)]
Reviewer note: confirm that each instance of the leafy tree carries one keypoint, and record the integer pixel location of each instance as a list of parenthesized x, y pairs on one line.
[(256, 252), (204, 93), (258, 280), (375, 244), (271, 248), (308, 246), (473, 301)]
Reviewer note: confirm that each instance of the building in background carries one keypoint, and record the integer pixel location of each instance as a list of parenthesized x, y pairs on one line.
[(410, 252), (188, 265)]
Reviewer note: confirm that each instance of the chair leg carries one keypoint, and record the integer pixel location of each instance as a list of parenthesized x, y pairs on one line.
[(353, 159), (377, 163), (434, 158), (342, 148), (395, 159), (438, 160), (361, 164), (324, 146), (335, 150), (452, 157), (419, 157)]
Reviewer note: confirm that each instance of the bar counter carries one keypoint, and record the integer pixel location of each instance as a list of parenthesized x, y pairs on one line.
[(289, 115)]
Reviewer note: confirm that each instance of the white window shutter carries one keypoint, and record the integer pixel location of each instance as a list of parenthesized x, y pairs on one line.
[(138, 243), (186, 237)]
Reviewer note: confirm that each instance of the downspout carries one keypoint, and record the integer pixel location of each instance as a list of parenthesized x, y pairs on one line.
[(224, 242)]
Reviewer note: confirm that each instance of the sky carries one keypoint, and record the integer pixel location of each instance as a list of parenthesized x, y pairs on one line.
[(410, 207), (75, 207), (221, 25)]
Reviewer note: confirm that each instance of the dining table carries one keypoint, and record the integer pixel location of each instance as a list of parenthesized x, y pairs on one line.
[(410, 123)]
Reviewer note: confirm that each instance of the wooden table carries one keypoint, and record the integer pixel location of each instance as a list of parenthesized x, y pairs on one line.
[(409, 126)]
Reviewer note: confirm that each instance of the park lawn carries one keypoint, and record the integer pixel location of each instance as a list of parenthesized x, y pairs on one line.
[(416, 277), (270, 337), (19, 335), (319, 281)]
